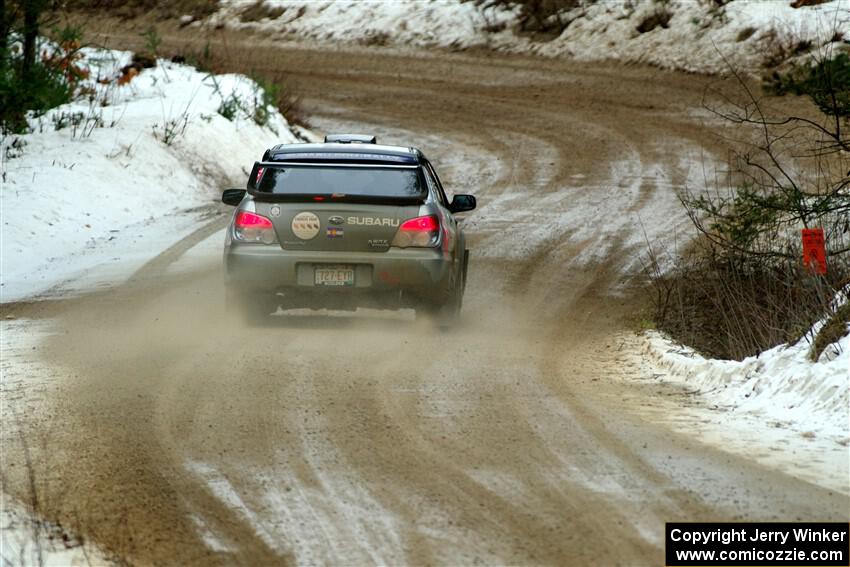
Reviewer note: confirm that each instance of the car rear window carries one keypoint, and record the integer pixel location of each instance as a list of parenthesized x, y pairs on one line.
[(342, 181)]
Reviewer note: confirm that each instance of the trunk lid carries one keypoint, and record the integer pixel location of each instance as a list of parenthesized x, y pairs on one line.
[(335, 227)]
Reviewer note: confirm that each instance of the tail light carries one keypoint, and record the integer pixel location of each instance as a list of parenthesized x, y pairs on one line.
[(251, 227), (421, 232)]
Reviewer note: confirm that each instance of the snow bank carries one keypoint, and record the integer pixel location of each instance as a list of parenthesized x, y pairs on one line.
[(27, 541), (694, 36), (699, 35), (435, 23), (779, 409), (780, 385), (126, 169)]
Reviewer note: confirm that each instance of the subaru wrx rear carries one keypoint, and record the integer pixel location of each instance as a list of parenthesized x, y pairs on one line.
[(344, 224)]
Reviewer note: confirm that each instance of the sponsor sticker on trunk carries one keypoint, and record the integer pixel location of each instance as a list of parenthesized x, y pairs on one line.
[(306, 225)]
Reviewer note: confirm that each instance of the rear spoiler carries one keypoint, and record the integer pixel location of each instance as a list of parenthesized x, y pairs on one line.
[(335, 198), (350, 139)]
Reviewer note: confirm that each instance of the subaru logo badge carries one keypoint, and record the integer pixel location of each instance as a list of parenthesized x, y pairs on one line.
[(336, 220)]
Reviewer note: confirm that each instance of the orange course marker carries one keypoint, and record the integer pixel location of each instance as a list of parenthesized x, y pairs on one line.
[(814, 251)]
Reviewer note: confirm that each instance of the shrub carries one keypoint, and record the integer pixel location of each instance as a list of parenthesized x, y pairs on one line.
[(129, 9), (545, 17), (171, 128), (744, 289), (267, 97), (833, 330), (259, 11), (802, 3), (37, 84), (745, 34), (660, 18), (793, 172), (732, 307), (202, 60), (152, 41), (779, 47), (376, 38), (229, 107), (42, 90), (244, 60), (827, 84), (62, 120)]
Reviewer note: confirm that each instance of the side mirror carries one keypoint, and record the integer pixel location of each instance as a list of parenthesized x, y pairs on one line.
[(462, 203), (232, 197), (253, 177)]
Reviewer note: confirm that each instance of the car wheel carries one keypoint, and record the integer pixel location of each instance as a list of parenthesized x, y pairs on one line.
[(451, 310), (445, 315)]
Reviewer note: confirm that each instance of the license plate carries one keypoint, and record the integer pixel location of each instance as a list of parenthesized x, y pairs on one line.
[(334, 275)]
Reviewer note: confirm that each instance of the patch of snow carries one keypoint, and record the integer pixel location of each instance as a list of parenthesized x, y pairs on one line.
[(699, 35), (208, 537), (635, 198), (335, 516), (372, 22), (141, 170), (779, 407), (224, 491), (780, 384), (24, 378), (292, 517), (25, 540), (694, 36), (84, 206)]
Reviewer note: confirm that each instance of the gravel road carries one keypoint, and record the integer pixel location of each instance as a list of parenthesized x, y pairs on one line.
[(170, 434)]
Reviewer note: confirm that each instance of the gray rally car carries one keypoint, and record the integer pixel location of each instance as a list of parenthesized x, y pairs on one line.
[(344, 224)]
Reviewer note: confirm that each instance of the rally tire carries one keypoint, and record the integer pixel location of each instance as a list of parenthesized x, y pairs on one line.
[(446, 314)]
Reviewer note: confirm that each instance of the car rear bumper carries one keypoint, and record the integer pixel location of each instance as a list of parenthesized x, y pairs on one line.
[(422, 273)]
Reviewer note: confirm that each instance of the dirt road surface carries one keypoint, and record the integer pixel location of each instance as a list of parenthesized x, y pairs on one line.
[(171, 434)]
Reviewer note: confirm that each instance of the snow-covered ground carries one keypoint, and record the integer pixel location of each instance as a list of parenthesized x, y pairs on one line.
[(779, 407), (25, 539), (99, 187), (780, 385), (690, 35), (140, 170), (28, 541)]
